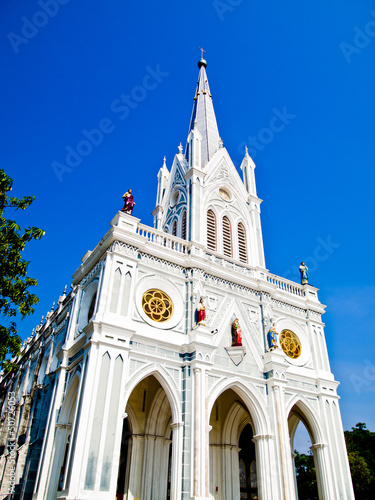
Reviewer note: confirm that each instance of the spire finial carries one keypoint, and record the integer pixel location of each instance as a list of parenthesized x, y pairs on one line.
[(202, 61), (202, 50), (180, 149)]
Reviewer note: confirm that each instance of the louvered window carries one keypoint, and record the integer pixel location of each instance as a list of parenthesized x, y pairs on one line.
[(242, 251), (211, 230), (174, 228), (183, 230), (227, 237)]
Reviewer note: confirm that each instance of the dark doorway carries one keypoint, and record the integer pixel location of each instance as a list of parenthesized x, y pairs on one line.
[(248, 473), (123, 460)]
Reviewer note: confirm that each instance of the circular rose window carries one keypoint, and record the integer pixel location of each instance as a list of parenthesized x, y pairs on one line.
[(290, 344), (157, 305)]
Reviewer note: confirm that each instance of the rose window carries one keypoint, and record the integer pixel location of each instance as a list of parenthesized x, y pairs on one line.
[(290, 344), (157, 305)]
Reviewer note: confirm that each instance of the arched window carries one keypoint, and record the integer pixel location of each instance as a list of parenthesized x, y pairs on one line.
[(211, 230), (242, 250), (174, 228), (227, 237), (91, 308), (183, 228)]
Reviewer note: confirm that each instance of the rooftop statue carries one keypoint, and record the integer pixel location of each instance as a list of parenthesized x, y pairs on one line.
[(129, 202), (304, 273)]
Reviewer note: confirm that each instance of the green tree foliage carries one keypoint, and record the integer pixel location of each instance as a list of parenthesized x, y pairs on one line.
[(306, 476), (360, 443), (15, 296)]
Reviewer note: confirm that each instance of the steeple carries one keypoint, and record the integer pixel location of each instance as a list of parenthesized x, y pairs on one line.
[(204, 119)]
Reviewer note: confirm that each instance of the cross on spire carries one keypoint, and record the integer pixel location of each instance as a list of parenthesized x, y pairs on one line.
[(202, 50)]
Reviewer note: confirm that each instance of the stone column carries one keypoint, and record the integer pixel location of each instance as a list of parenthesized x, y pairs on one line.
[(207, 429), (135, 478), (195, 177), (47, 451), (148, 482), (326, 490), (176, 463), (77, 462), (235, 468), (197, 434), (201, 436), (264, 467), (229, 486), (284, 443)]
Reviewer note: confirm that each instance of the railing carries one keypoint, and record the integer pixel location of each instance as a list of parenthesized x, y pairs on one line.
[(163, 239), (170, 242), (231, 264), (286, 285)]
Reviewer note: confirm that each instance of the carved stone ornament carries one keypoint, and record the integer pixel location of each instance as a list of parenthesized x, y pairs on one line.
[(236, 353)]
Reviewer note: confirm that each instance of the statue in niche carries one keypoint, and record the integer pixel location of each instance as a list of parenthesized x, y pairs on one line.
[(201, 313), (272, 338), (304, 273), (128, 202), (236, 333)]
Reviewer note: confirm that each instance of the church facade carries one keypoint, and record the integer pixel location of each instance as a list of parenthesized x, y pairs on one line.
[(178, 367)]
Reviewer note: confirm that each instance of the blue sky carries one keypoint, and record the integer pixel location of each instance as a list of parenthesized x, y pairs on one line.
[(65, 69)]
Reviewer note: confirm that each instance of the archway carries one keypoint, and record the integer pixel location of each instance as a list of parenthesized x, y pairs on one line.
[(59, 478), (304, 448), (233, 473), (145, 460)]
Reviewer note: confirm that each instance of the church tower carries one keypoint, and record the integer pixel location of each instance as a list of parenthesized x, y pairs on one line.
[(178, 367), (203, 199)]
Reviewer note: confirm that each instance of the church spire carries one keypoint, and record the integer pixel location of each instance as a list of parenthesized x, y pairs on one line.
[(203, 118)]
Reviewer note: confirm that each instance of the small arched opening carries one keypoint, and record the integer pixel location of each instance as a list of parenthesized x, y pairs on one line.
[(59, 479), (305, 450), (233, 470)]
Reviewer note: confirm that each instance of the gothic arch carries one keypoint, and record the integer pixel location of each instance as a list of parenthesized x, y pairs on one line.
[(71, 394), (234, 423), (132, 419), (254, 404), (174, 226), (166, 382), (227, 235), (64, 427), (299, 409), (153, 434), (184, 224), (242, 242), (232, 449), (155, 426), (88, 295), (211, 228)]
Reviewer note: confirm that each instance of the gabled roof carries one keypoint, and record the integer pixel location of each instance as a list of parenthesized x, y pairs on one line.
[(204, 116)]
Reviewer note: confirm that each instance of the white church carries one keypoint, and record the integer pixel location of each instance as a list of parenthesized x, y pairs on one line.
[(156, 377)]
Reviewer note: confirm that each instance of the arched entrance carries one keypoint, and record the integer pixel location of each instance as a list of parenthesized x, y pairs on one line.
[(145, 459), (233, 473), (307, 477)]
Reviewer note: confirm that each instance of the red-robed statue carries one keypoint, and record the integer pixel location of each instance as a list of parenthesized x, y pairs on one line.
[(201, 313), (236, 333), (128, 202)]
